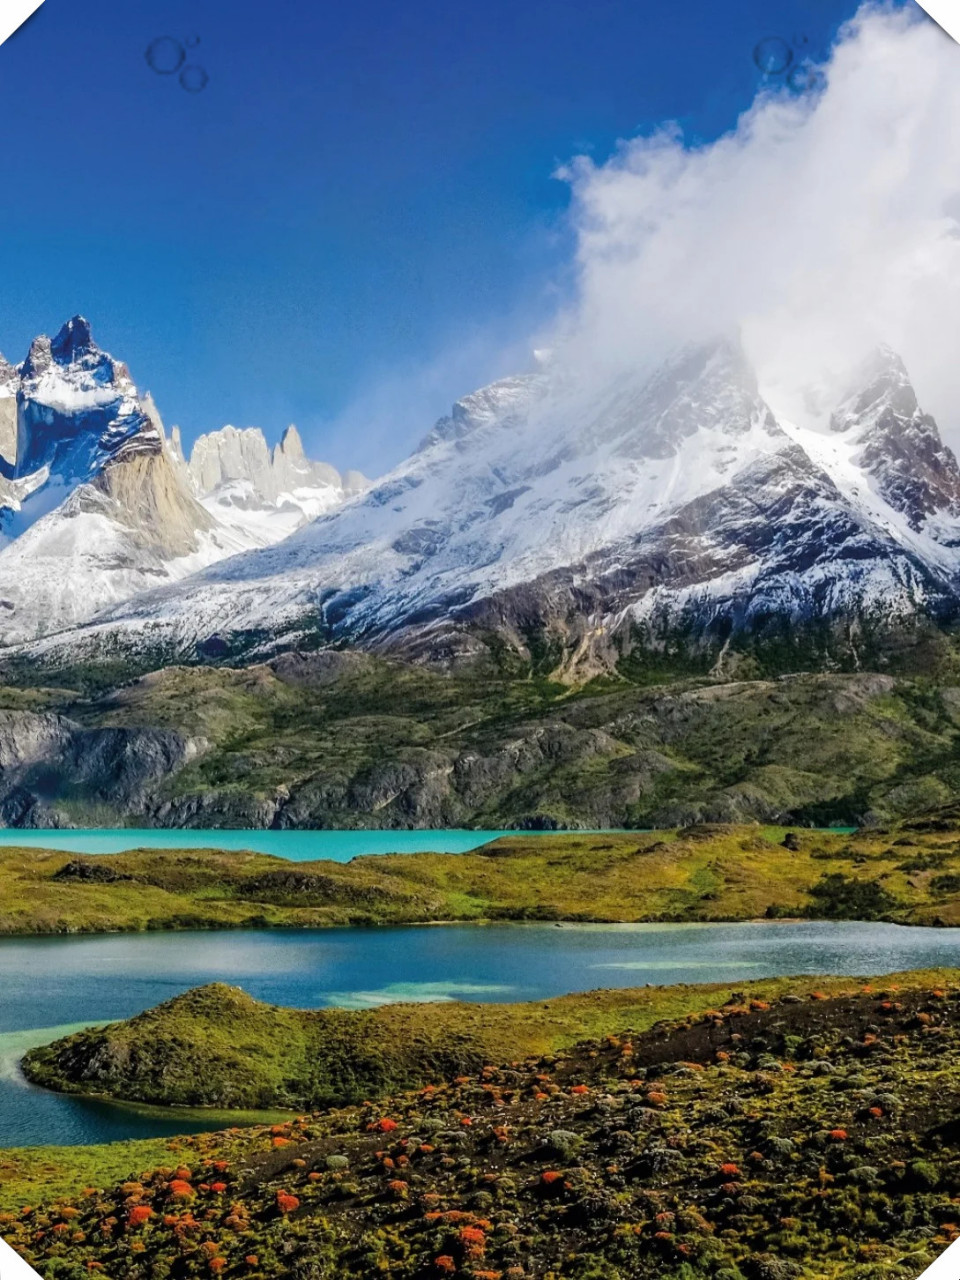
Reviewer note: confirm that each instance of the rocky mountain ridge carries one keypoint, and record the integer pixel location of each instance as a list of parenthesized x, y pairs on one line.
[(241, 480), (96, 503), (570, 524)]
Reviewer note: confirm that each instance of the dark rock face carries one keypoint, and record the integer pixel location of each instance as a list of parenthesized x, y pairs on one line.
[(46, 759), (900, 446), (88, 872)]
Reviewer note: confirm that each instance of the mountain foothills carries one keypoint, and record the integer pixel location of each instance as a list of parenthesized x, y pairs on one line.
[(645, 599), (97, 505)]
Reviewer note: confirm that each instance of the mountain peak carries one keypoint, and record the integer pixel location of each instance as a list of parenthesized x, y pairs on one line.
[(881, 380), (896, 443), (291, 445), (74, 341), (39, 357)]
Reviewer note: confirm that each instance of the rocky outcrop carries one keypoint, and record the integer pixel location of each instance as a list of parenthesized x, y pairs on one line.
[(97, 505), (897, 444), (233, 469), (9, 385), (47, 759)]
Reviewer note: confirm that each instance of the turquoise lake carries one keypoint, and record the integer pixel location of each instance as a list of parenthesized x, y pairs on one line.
[(298, 846), (48, 985)]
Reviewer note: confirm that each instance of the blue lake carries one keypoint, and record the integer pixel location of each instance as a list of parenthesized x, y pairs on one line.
[(48, 984)]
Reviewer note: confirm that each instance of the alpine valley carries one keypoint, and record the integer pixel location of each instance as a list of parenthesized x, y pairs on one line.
[(648, 601)]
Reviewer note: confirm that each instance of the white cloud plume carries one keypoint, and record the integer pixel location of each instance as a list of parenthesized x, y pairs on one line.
[(823, 224)]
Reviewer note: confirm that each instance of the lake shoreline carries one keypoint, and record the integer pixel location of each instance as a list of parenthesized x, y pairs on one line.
[(691, 875), (474, 922), (168, 1059), (455, 978)]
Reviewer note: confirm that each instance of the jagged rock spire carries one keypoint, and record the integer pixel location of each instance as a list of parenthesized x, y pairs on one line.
[(74, 340)]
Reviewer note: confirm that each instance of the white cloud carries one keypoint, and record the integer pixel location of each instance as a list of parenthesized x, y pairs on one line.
[(821, 225)]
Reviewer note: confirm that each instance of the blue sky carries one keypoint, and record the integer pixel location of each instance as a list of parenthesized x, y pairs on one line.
[(359, 209)]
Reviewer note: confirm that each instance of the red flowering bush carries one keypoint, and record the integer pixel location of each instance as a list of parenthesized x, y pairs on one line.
[(287, 1203), (445, 1264), (838, 1135), (138, 1215), (180, 1189)]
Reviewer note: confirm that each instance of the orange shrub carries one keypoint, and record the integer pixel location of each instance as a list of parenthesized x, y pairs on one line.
[(287, 1203)]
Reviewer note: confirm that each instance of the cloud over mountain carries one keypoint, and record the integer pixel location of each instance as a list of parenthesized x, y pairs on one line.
[(824, 224)]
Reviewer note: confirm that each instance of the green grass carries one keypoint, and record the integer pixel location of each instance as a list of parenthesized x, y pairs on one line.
[(695, 874), (793, 1128), (216, 1046), (350, 740)]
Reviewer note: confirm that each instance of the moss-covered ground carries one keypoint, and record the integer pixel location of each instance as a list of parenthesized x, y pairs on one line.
[(778, 1131), (350, 740), (909, 873)]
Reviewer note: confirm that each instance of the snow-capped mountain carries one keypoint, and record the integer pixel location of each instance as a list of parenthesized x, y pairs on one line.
[(96, 505), (265, 494), (554, 514)]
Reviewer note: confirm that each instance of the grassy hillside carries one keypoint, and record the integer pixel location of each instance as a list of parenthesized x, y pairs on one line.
[(216, 1046), (909, 873), (349, 740), (776, 1133)]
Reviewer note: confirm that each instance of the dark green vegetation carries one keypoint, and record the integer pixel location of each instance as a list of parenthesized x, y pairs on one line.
[(348, 740), (216, 1046), (908, 873), (772, 1133)]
